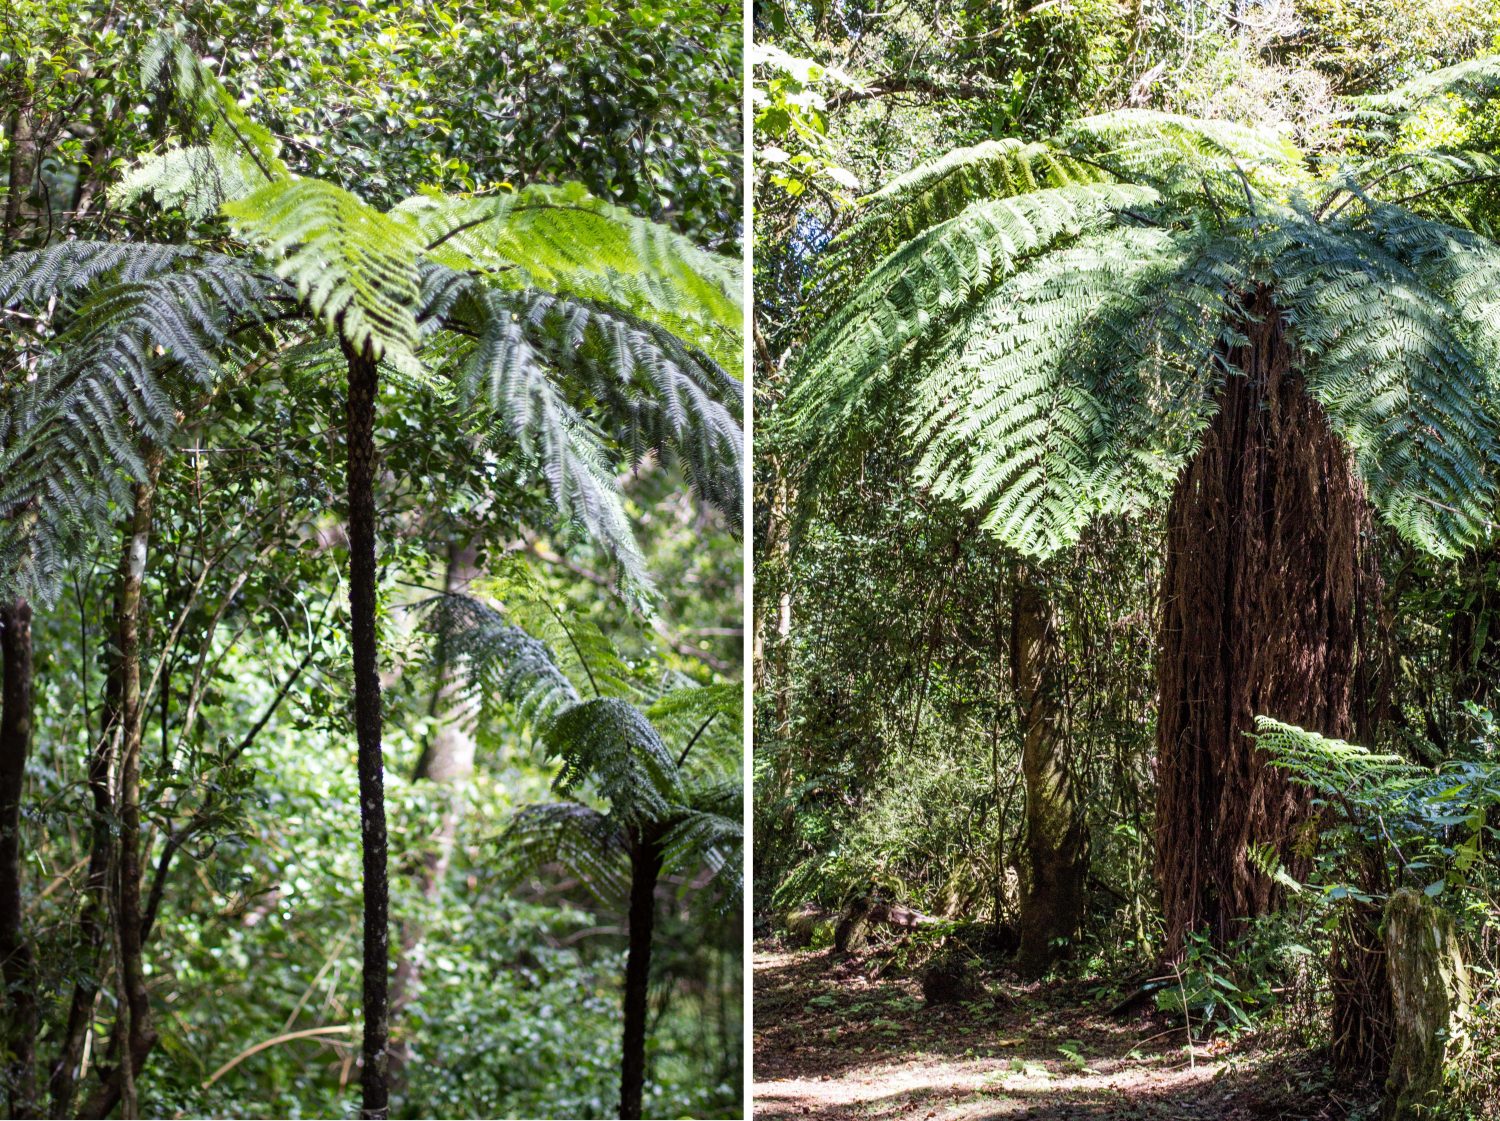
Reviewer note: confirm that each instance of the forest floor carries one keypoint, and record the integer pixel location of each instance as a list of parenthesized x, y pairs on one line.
[(833, 1042)]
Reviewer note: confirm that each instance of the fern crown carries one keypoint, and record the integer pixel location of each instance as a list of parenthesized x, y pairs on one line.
[(1047, 323)]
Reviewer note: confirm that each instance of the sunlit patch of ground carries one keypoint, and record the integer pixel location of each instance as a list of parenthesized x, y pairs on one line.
[(831, 1043)]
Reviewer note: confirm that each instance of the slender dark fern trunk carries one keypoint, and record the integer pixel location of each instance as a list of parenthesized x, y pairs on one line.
[(645, 872), (1268, 564), (16, 961), (1057, 859), (375, 1074)]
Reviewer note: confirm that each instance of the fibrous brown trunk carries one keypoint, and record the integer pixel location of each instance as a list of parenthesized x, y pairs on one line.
[(1261, 595), (16, 963), (645, 871), (374, 1074), (1052, 902)]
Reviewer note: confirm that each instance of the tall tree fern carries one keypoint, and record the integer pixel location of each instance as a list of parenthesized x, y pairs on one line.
[(590, 338), (639, 809), (1151, 311)]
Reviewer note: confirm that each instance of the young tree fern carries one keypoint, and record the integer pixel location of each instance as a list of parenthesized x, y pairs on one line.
[(581, 331), (1152, 311), (659, 815)]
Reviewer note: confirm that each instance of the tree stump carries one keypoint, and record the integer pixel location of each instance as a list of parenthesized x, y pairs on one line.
[(1429, 1002)]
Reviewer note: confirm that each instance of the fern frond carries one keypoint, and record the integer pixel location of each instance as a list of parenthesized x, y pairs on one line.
[(853, 360), (1177, 154), (1078, 387), (609, 743), (354, 266), (562, 240), (588, 845), (636, 381), (1403, 388), (500, 662)]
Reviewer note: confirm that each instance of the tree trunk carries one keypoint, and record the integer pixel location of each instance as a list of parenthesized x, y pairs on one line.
[(1430, 1004), (142, 1037), (645, 870), (16, 962), (374, 1075), (133, 1036), (1267, 538), (447, 760), (1056, 834)]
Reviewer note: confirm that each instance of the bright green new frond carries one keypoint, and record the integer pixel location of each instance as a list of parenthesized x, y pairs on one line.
[(1179, 154), (355, 267), (1475, 80), (588, 845), (609, 743), (564, 241), (916, 292)]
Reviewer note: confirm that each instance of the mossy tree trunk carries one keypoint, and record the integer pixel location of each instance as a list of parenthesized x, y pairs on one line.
[(1265, 572), (1429, 1003), (1057, 859)]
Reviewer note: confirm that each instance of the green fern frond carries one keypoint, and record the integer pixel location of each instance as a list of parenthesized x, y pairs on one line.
[(500, 662), (610, 744), (1474, 81), (589, 846), (354, 266), (1178, 154), (563, 241), (916, 292), (635, 381)]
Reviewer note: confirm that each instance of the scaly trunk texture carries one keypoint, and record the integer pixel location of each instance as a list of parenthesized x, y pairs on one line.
[(1261, 596), (645, 871), (16, 963), (447, 760), (374, 1075), (1056, 836)]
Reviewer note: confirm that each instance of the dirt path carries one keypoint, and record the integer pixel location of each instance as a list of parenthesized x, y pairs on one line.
[(832, 1044)]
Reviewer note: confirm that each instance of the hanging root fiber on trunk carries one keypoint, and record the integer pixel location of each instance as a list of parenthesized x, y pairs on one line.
[(1267, 570)]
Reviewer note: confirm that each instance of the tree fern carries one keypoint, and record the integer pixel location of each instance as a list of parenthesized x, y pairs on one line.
[(1054, 354)]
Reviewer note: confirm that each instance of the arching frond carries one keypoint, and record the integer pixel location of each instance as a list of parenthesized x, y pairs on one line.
[(633, 380), (919, 290), (355, 267), (500, 662), (587, 845), (609, 743), (562, 240)]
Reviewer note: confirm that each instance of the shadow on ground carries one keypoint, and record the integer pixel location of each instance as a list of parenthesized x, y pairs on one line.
[(833, 1043)]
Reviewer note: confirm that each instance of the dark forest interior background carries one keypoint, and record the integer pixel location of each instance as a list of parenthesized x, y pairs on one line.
[(370, 559), (1127, 598)]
